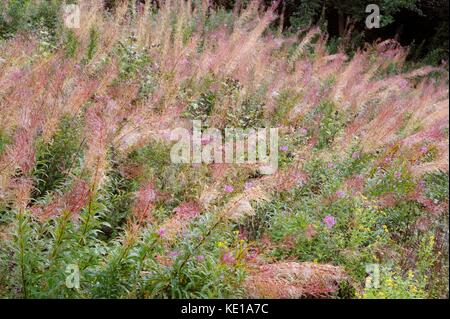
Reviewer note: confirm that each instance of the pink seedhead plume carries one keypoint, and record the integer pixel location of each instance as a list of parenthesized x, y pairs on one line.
[(188, 209), (291, 178), (95, 156), (72, 202), (181, 219), (21, 189), (144, 203), (78, 197), (21, 153), (355, 184), (294, 280)]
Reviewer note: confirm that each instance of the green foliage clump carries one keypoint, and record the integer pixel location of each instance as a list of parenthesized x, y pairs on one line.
[(57, 157), (20, 15)]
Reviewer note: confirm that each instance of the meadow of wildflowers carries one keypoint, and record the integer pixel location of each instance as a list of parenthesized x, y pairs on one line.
[(91, 205)]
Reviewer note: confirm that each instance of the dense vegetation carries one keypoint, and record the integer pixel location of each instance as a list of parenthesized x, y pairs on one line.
[(87, 185)]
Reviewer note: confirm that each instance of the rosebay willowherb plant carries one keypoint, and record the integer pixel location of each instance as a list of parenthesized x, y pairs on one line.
[(91, 205)]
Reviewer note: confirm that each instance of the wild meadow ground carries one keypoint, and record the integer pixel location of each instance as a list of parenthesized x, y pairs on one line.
[(91, 205)]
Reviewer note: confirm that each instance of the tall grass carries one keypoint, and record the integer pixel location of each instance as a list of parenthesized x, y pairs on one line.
[(86, 178)]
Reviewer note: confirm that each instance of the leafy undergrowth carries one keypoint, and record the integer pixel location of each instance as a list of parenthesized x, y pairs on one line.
[(91, 205)]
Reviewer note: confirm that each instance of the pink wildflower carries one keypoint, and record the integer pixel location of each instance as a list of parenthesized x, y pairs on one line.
[(340, 194), (228, 258), (355, 155), (284, 148), (228, 188), (161, 232), (329, 221)]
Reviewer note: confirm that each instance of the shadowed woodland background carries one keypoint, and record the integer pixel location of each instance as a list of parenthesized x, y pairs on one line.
[(420, 24)]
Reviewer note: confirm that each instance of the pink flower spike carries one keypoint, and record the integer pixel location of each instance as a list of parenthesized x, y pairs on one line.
[(284, 148), (228, 188), (398, 174), (329, 221)]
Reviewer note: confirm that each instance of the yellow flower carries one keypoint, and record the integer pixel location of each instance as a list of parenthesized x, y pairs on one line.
[(410, 274), (390, 282)]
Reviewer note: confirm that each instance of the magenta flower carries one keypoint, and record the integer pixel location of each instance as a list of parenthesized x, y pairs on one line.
[(173, 254), (228, 188), (340, 194), (228, 258), (330, 165), (329, 221), (303, 131), (284, 148), (200, 258), (388, 159), (355, 155), (398, 174), (248, 185), (161, 232), (424, 149)]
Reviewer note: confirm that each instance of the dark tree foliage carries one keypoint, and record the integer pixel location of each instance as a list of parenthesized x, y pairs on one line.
[(421, 24)]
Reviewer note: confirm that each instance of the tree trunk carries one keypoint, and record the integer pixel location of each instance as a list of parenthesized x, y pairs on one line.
[(341, 23)]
